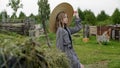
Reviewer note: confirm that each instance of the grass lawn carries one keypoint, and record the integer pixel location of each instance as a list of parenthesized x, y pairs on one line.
[(93, 55), (98, 56)]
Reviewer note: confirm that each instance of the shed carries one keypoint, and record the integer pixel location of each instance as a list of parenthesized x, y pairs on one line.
[(115, 35)]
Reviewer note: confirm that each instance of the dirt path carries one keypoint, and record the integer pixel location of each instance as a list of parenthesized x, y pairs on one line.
[(101, 64)]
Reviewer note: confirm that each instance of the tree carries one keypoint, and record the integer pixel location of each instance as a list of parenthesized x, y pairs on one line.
[(0, 17), (4, 16), (15, 5), (81, 15), (13, 16), (37, 18), (116, 17), (22, 15), (102, 16), (44, 12), (89, 17), (31, 15)]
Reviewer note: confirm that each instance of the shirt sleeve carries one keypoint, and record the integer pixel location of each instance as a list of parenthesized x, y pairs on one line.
[(77, 27)]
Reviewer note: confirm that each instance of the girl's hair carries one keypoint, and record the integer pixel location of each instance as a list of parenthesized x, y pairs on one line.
[(59, 18)]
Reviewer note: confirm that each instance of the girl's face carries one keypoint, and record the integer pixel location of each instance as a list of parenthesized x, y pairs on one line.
[(65, 19)]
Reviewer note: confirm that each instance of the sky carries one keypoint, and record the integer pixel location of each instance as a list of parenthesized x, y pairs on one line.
[(96, 6)]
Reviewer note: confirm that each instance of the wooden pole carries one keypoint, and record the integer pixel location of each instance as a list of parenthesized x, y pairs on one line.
[(45, 32)]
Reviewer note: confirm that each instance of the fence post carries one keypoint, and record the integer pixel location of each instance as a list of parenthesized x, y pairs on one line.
[(119, 36)]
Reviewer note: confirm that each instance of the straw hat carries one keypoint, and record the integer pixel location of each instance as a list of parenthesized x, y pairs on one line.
[(67, 8)]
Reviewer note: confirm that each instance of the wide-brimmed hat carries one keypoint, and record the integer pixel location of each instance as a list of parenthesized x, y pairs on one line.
[(67, 8)]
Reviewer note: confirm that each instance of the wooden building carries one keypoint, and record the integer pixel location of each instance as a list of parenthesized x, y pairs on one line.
[(115, 34)]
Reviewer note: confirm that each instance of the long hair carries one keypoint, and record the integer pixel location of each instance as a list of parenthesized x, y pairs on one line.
[(59, 19)]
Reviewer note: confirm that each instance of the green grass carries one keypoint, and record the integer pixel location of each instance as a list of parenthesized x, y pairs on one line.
[(92, 53), (95, 55)]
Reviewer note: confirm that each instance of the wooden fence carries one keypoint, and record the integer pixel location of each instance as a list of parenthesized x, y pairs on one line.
[(23, 27), (112, 31), (93, 30), (102, 29)]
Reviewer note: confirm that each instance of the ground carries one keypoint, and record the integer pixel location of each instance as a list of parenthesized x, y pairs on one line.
[(93, 55)]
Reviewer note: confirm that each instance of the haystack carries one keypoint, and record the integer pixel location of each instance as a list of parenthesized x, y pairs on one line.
[(17, 51)]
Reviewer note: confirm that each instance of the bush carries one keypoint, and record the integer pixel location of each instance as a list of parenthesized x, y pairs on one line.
[(106, 22)]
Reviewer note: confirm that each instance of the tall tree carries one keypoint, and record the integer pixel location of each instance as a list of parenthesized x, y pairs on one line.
[(44, 12), (32, 16), (102, 16), (13, 16), (37, 19), (81, 15), (4, 16), (22, 15), (89, 17), (15, 5), (116, 17)]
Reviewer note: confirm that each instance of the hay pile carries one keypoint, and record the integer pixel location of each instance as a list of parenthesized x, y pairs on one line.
[(19, 52)]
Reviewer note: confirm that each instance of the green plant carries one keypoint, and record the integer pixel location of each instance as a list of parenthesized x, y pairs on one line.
[(19, 51)]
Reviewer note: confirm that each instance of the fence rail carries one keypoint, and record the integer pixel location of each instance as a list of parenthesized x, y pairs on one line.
[(21, 26)]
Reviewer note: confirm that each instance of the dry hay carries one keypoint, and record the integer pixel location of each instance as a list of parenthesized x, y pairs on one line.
[(19, 52)]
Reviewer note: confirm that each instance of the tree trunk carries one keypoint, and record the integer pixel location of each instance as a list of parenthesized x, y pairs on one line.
[(45, 32), (14, 17)]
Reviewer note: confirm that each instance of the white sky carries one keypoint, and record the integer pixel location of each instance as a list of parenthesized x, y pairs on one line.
[(30, 6)]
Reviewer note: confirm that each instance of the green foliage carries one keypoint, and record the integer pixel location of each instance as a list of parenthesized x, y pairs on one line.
[(102, 16), (22, 15), (0, 15), (5, 14), (37, 18), (19, 51), (8, 33), (89, 17), (32, 15), (52, 36), (44, 10), (81, 15), (13, 16), (104, 23), (55, 58), (116, 17), (15, 5)]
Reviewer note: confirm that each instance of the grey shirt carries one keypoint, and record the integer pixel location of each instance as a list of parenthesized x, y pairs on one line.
[(64, 42)]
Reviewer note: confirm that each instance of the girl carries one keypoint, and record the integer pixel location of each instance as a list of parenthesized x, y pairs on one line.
[(63, 32)]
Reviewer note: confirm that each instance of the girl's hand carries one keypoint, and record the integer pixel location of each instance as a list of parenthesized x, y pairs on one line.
[(76, 14)]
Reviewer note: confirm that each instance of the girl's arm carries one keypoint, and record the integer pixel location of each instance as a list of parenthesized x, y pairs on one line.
[(78, 25)]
